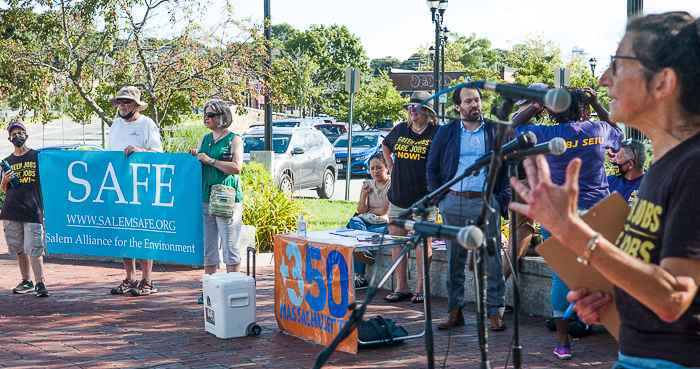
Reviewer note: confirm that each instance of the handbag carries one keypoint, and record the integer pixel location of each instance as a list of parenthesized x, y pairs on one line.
[(222, 201), (379, 329), (372, 218)]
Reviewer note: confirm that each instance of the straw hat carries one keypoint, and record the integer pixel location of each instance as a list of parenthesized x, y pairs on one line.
[(417, 98)]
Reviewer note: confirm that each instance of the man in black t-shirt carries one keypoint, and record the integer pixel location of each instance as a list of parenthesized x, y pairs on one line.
[(23, 211)]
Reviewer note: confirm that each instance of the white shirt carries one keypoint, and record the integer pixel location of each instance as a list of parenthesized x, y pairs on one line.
[(142, 133)]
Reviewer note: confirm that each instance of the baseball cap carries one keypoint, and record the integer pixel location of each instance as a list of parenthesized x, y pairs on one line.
[(15, 124)]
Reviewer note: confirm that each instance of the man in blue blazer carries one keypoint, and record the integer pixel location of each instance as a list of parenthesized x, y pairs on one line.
[(456, 146)]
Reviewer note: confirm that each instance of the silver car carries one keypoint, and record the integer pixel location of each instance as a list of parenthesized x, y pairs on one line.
[(304, 158)]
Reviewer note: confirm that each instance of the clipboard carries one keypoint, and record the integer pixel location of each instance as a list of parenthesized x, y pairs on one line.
[(607, 217)]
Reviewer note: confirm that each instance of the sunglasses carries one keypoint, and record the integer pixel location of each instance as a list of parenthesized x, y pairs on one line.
[(413, 108), (124, 101), (211, 115), (644, 62)]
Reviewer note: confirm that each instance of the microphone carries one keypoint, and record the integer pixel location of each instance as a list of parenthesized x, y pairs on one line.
[(556, 100), (524, 141), (555, 146), (469, 237)]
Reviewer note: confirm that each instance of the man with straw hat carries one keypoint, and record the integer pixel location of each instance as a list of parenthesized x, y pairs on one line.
[(133, 132)]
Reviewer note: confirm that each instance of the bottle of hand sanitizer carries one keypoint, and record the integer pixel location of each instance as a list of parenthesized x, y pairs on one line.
[(301, 225)]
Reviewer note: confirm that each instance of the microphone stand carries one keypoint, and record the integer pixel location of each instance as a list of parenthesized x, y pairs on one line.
[(515, 269), (358, 313)]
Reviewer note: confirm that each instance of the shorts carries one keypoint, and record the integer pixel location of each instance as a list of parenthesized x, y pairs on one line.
[(522, 220), (394, 212), (224, 234), (23, 237)]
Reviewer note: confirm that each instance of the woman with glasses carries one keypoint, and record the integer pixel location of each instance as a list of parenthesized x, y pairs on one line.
[(655, 261), (221, 155), (588, 140), (133, 132), (409, 143)]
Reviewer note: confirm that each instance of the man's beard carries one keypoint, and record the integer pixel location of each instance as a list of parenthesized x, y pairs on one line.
[(473, 116)]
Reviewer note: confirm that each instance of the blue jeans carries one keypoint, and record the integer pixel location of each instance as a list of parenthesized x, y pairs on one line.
[(559, 288), (361, 225), (630, 362)]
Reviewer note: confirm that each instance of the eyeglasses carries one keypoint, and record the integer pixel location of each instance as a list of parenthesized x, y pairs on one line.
[(211, 115), (124, 101), (644, 62), (20, 134), (413, 108)]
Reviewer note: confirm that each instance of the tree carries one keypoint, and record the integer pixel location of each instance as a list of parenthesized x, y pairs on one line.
[(376, 101), (383, 64), (534, 59)]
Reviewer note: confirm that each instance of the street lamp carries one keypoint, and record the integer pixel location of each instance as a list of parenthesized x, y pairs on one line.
[(444, 33), (431, 50), (437, 9), (593, 63)]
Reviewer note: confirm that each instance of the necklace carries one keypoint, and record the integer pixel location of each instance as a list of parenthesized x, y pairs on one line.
[(221, 135), (419, 132)]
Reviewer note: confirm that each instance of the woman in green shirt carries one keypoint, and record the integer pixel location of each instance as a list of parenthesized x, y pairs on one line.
[(217, 170)]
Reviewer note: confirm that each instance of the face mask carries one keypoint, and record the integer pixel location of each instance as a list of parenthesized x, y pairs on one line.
[(128, 116), (18, 141), (618, 169)]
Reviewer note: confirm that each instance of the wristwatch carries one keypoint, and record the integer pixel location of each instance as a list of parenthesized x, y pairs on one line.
[(213, 161)]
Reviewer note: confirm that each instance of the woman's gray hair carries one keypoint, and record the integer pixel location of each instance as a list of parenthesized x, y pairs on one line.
[(221, 108)]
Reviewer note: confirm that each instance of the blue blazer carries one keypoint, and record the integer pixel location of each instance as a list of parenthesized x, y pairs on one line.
[(443, 160)]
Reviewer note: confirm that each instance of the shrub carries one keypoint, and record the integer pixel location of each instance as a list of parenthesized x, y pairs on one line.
[(270, 210), (179, 139)]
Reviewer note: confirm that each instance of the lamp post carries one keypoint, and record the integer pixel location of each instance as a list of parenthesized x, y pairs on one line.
[(593, 63), (444, 33), (437, 9)]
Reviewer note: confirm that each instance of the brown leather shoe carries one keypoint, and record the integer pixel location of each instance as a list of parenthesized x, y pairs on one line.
[(359, 255), (497, 323), (453, 319)]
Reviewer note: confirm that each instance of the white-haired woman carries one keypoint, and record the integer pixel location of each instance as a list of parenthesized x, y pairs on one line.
[(219, 231)]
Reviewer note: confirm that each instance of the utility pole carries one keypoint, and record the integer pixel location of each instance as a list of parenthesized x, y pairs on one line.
[(634, 10), (268, 106)]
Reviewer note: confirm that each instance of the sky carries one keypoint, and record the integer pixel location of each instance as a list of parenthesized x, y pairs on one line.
[(398, 27)]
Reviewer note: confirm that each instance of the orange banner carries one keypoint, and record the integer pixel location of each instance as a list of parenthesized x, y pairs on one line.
[(313, 286)]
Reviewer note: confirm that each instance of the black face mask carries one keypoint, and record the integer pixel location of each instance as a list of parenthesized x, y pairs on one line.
[(18, 141), (618, 169), (128, 116)]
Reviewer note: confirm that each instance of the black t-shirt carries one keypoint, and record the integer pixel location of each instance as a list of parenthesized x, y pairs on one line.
[(663, 222), (408, 179), (24, 203)]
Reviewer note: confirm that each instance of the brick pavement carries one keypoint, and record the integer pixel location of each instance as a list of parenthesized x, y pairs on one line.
[(82, 326)]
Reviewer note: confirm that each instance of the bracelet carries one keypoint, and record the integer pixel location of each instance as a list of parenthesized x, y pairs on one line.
[(536, 105), (590, 247)]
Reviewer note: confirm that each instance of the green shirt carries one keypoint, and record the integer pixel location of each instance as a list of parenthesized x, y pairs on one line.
[(210, 174)]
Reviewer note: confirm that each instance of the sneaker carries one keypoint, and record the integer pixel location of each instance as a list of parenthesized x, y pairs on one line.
[(563, 352), (126, 287), (360, 283), (144, 289), (24, 287), (201, 299), (41, 290)]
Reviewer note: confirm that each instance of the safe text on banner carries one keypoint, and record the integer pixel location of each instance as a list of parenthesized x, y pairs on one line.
[(313, 290), (146, 206)]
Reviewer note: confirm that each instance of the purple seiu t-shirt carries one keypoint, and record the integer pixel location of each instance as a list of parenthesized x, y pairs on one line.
[(628, 189), (588, 140)]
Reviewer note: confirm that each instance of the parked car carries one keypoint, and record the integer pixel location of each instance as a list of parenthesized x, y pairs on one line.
[(78, 146), (304, 158), (364, 145), (331, 130)]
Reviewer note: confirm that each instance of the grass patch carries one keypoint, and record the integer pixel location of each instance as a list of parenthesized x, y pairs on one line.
[(327, 214)]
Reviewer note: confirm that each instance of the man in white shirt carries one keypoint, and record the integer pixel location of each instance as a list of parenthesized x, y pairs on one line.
[(133, 132)]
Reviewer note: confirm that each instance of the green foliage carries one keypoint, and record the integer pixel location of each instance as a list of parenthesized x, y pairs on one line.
[(328, 214), (376, 101), (270, 210), (534, 59), (179, 139), (383, 64)]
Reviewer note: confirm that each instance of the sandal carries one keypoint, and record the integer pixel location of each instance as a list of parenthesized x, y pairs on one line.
[(144, 289), (399, 297), (417, 298)]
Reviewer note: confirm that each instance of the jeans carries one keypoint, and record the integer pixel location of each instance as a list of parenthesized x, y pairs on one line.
[(362, 225), (630, 362), (456, 211)]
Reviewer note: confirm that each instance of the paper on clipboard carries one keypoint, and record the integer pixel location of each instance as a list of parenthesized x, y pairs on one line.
[(608, 218)]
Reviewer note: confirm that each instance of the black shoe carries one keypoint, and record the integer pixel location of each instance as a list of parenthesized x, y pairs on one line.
[(24, 287), (360, 283), (126, 286), (41, 290), (508, 309)]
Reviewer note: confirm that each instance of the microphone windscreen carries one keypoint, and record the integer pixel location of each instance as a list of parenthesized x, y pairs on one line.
[(470, 237), (557, 146), (557, 100), (530, 139)]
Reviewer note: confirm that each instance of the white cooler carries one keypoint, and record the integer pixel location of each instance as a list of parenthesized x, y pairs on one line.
[(229, 305)]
